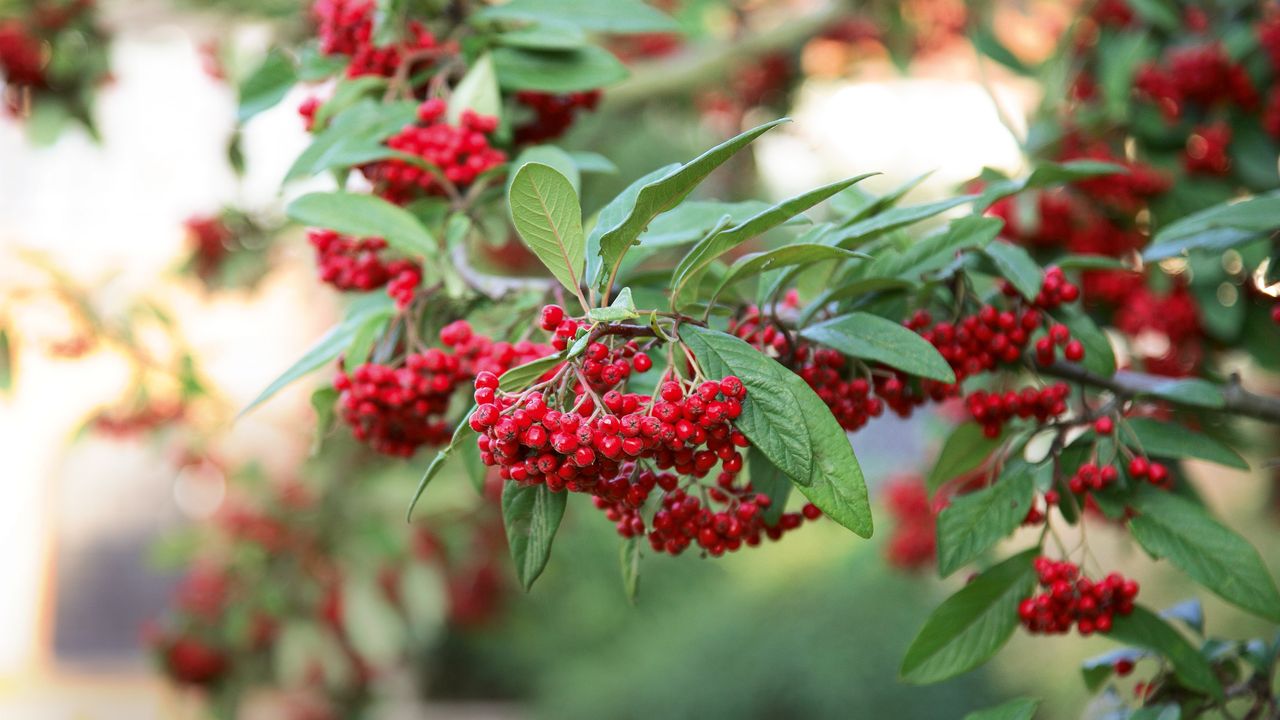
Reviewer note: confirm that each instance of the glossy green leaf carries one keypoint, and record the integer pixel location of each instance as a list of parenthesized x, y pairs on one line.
[(622, 308), (1173, 440), (1217, 228), (545, 209), (974, 522), (563, 71), (663, 194), (615, 16), (545, 35), (1145, 629), (965, 450), (1016, 266), (1018, 709), (1046, 175), (1089, 262), (354, 137), (1178, 530), (629, 560), (590, 162), (531, 515), (267, 85), (753, 264), (971, 625), (879, 339), (328, 347), (985, 41), (522, 376), (477, 91), (768, 479), (613, 214), (1188, 391), (365, 216), (713, 246), (6, 362), (790, 425), (552, 156), (935, 251), (852, 235)]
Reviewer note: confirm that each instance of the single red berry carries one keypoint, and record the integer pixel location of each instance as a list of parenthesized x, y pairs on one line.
[(1074, 351), (552, 316), (1104, 425)]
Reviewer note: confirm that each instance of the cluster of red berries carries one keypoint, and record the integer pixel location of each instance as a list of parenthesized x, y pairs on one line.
[(993, 409), (1201, 75), (551, 115), (345, 27), (730, 515), (1036, 515), (398, 408), (349, 263), (1070, 598), (1090, 477), (913, 541), (1166, 329), (458, 153)]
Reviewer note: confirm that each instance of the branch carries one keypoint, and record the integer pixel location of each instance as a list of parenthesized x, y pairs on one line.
[(1128, 384)]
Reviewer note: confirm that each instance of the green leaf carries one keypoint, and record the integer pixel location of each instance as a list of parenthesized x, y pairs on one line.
[(1188, 391), (971, 625), (365, 216), (6, 362), (1172, 440), (985, 41), (461, 434), (1089, 262), (354, 137), (364, 339), (552, 156), (785, 256), (522, 376), (531, 515), (267, 85), (935, 251), (547, 216), (614, 213), (346, 93), (328, 347), (614, 17), (974, 522), (477, 91), (1019, 709), (1098, 356), (630, 562), (664, 193), (768, 479), (1047, 175), (872, 337), (965, 450), (854, 234), (691, 220), (790, 425), (1145, 629), (1181, 531), (324, 403), (1016, 266), (1159, 13), (563, 71), (1217, 228), (622, 308), (546, 35), (1118, 60), (713, 246)]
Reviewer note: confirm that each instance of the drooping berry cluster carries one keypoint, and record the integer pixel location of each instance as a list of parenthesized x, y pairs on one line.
[(349, 263), (457, 153), (993, 409), (399, 408), (1166, 330), (1070, 599), (551, 115), (1199, 75)]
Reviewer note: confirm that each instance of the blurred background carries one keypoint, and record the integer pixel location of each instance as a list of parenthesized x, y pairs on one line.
[(130, 484)]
